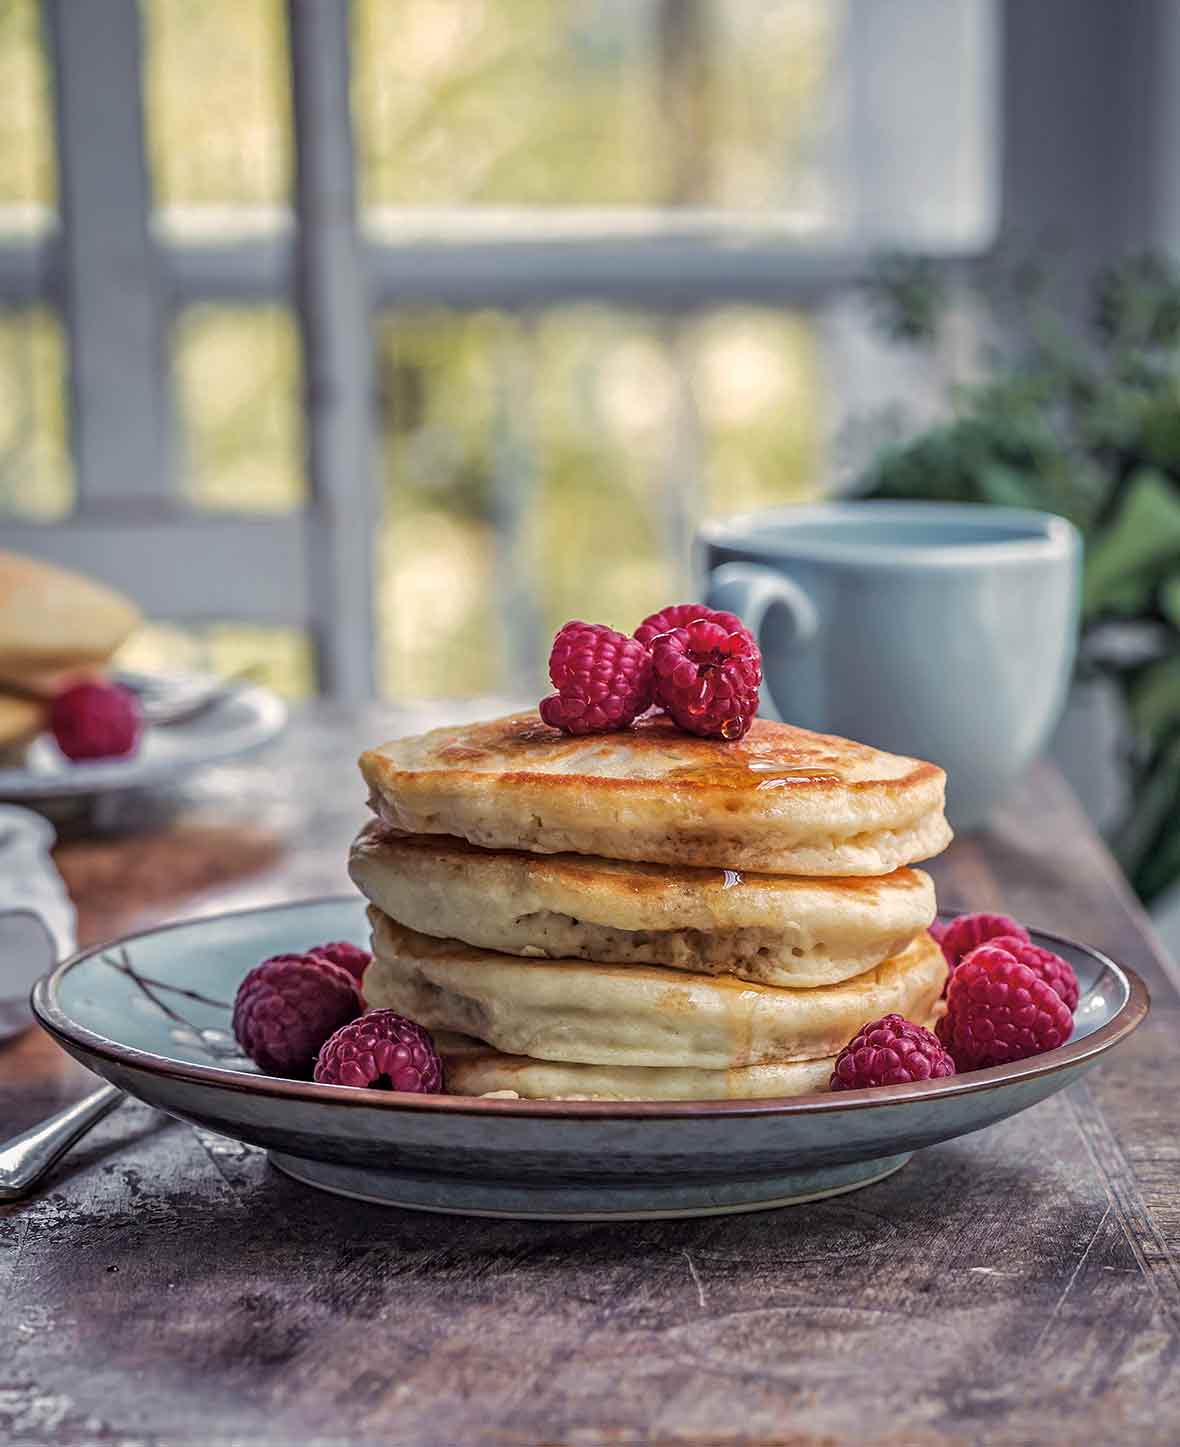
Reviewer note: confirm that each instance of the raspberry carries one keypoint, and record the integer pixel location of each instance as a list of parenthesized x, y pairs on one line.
[(349, 957), (998, 1009), (707, 677), (680, 615), (967, 931), (1052, 968), (603, 680), (890, 1051), (287, 1007), (95, 721), (381, 1051)]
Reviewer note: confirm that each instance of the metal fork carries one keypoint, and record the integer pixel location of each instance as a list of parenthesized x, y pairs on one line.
[(28, 1157), (176, 698)]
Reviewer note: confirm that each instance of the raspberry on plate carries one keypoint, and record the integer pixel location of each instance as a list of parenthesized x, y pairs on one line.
[(968, 931), (381, 1051), (603, 680), (96, 721), (680, 615), (1052, 968), (998, 1009), (890, 1051), (349, 957), (707, 677), (286, 1008)]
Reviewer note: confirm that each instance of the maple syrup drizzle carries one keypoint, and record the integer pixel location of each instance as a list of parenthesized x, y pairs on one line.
[(755, 773)]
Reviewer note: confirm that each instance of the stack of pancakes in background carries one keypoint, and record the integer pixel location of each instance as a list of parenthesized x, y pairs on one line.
[(55, 627), (644, 914)]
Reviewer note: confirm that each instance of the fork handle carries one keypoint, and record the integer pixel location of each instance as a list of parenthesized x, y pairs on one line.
[(29, 1156)]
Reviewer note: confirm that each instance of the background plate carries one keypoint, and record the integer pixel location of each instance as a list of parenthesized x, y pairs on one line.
[(152, 1014), (238, 722)]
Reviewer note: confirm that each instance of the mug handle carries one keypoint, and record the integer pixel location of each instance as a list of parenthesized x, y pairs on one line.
[(751, 592)]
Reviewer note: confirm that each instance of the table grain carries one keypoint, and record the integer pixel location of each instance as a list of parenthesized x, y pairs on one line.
[(1021, 1285)]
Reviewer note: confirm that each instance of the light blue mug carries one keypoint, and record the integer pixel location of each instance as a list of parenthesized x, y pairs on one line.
[(946, 631)]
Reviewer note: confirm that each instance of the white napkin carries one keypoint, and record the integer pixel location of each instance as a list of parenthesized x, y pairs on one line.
[(37, 920)]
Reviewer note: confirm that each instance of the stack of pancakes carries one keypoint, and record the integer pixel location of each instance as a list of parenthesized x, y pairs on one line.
[(55, 627), (647, 915)]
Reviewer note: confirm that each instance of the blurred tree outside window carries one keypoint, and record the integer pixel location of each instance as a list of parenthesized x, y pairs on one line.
[(507, 103), (538, 462), (35, 476)]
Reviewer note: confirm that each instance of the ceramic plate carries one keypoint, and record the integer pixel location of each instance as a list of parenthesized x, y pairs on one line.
[(239, 721), (152, 1014)]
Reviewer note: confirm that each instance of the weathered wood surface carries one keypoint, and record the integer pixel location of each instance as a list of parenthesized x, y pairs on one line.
[(1018, 1286)]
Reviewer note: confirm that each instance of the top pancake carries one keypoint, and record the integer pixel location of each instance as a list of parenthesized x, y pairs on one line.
[(782, 800)]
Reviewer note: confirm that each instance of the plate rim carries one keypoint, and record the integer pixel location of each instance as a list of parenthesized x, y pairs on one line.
[(51, 1016), (90, 778)]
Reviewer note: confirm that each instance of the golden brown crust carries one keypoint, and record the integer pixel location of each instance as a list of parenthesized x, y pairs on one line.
[(782, 800)]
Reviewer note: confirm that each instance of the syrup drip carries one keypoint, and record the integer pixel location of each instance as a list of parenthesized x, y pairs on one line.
[(754, 773)]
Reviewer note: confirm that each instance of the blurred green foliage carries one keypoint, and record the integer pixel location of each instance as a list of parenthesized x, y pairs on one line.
[(1086, 423), (591, 437), (600, 436), (27, 175)]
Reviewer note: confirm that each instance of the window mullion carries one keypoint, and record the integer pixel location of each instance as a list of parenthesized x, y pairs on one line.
[(332, 296), (110, 279)]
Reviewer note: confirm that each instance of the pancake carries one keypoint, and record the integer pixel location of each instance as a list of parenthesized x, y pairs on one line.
[(54, 622), (772, 929), (594, 1014), (782, 800), (21, 720), (473, 1068)]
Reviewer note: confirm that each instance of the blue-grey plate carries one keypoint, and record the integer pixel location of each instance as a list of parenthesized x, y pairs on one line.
[(152, 1014)]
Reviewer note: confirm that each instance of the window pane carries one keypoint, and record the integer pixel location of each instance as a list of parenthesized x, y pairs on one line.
[(608, 102), (217, 101), (237, 386), (624, 431), (27, 177), (36, 480), (280, 658)]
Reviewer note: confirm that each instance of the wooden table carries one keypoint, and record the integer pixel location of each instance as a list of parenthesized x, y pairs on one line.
[(1018, 1286)]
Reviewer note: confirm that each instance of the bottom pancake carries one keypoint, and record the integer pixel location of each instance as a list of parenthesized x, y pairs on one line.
[(591, 1014), (473, 1068), (21, 720)]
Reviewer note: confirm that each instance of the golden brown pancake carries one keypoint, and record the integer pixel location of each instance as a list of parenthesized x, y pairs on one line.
[(594, 1014), (54, 622), (770, 928), (21, 720), (782, 800), (473, 1068)]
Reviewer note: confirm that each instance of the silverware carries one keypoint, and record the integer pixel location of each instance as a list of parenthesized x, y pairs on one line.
[(28, 1157), (179, 697)]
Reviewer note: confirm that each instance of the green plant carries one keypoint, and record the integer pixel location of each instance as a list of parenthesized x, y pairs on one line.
[(1084, 422)]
